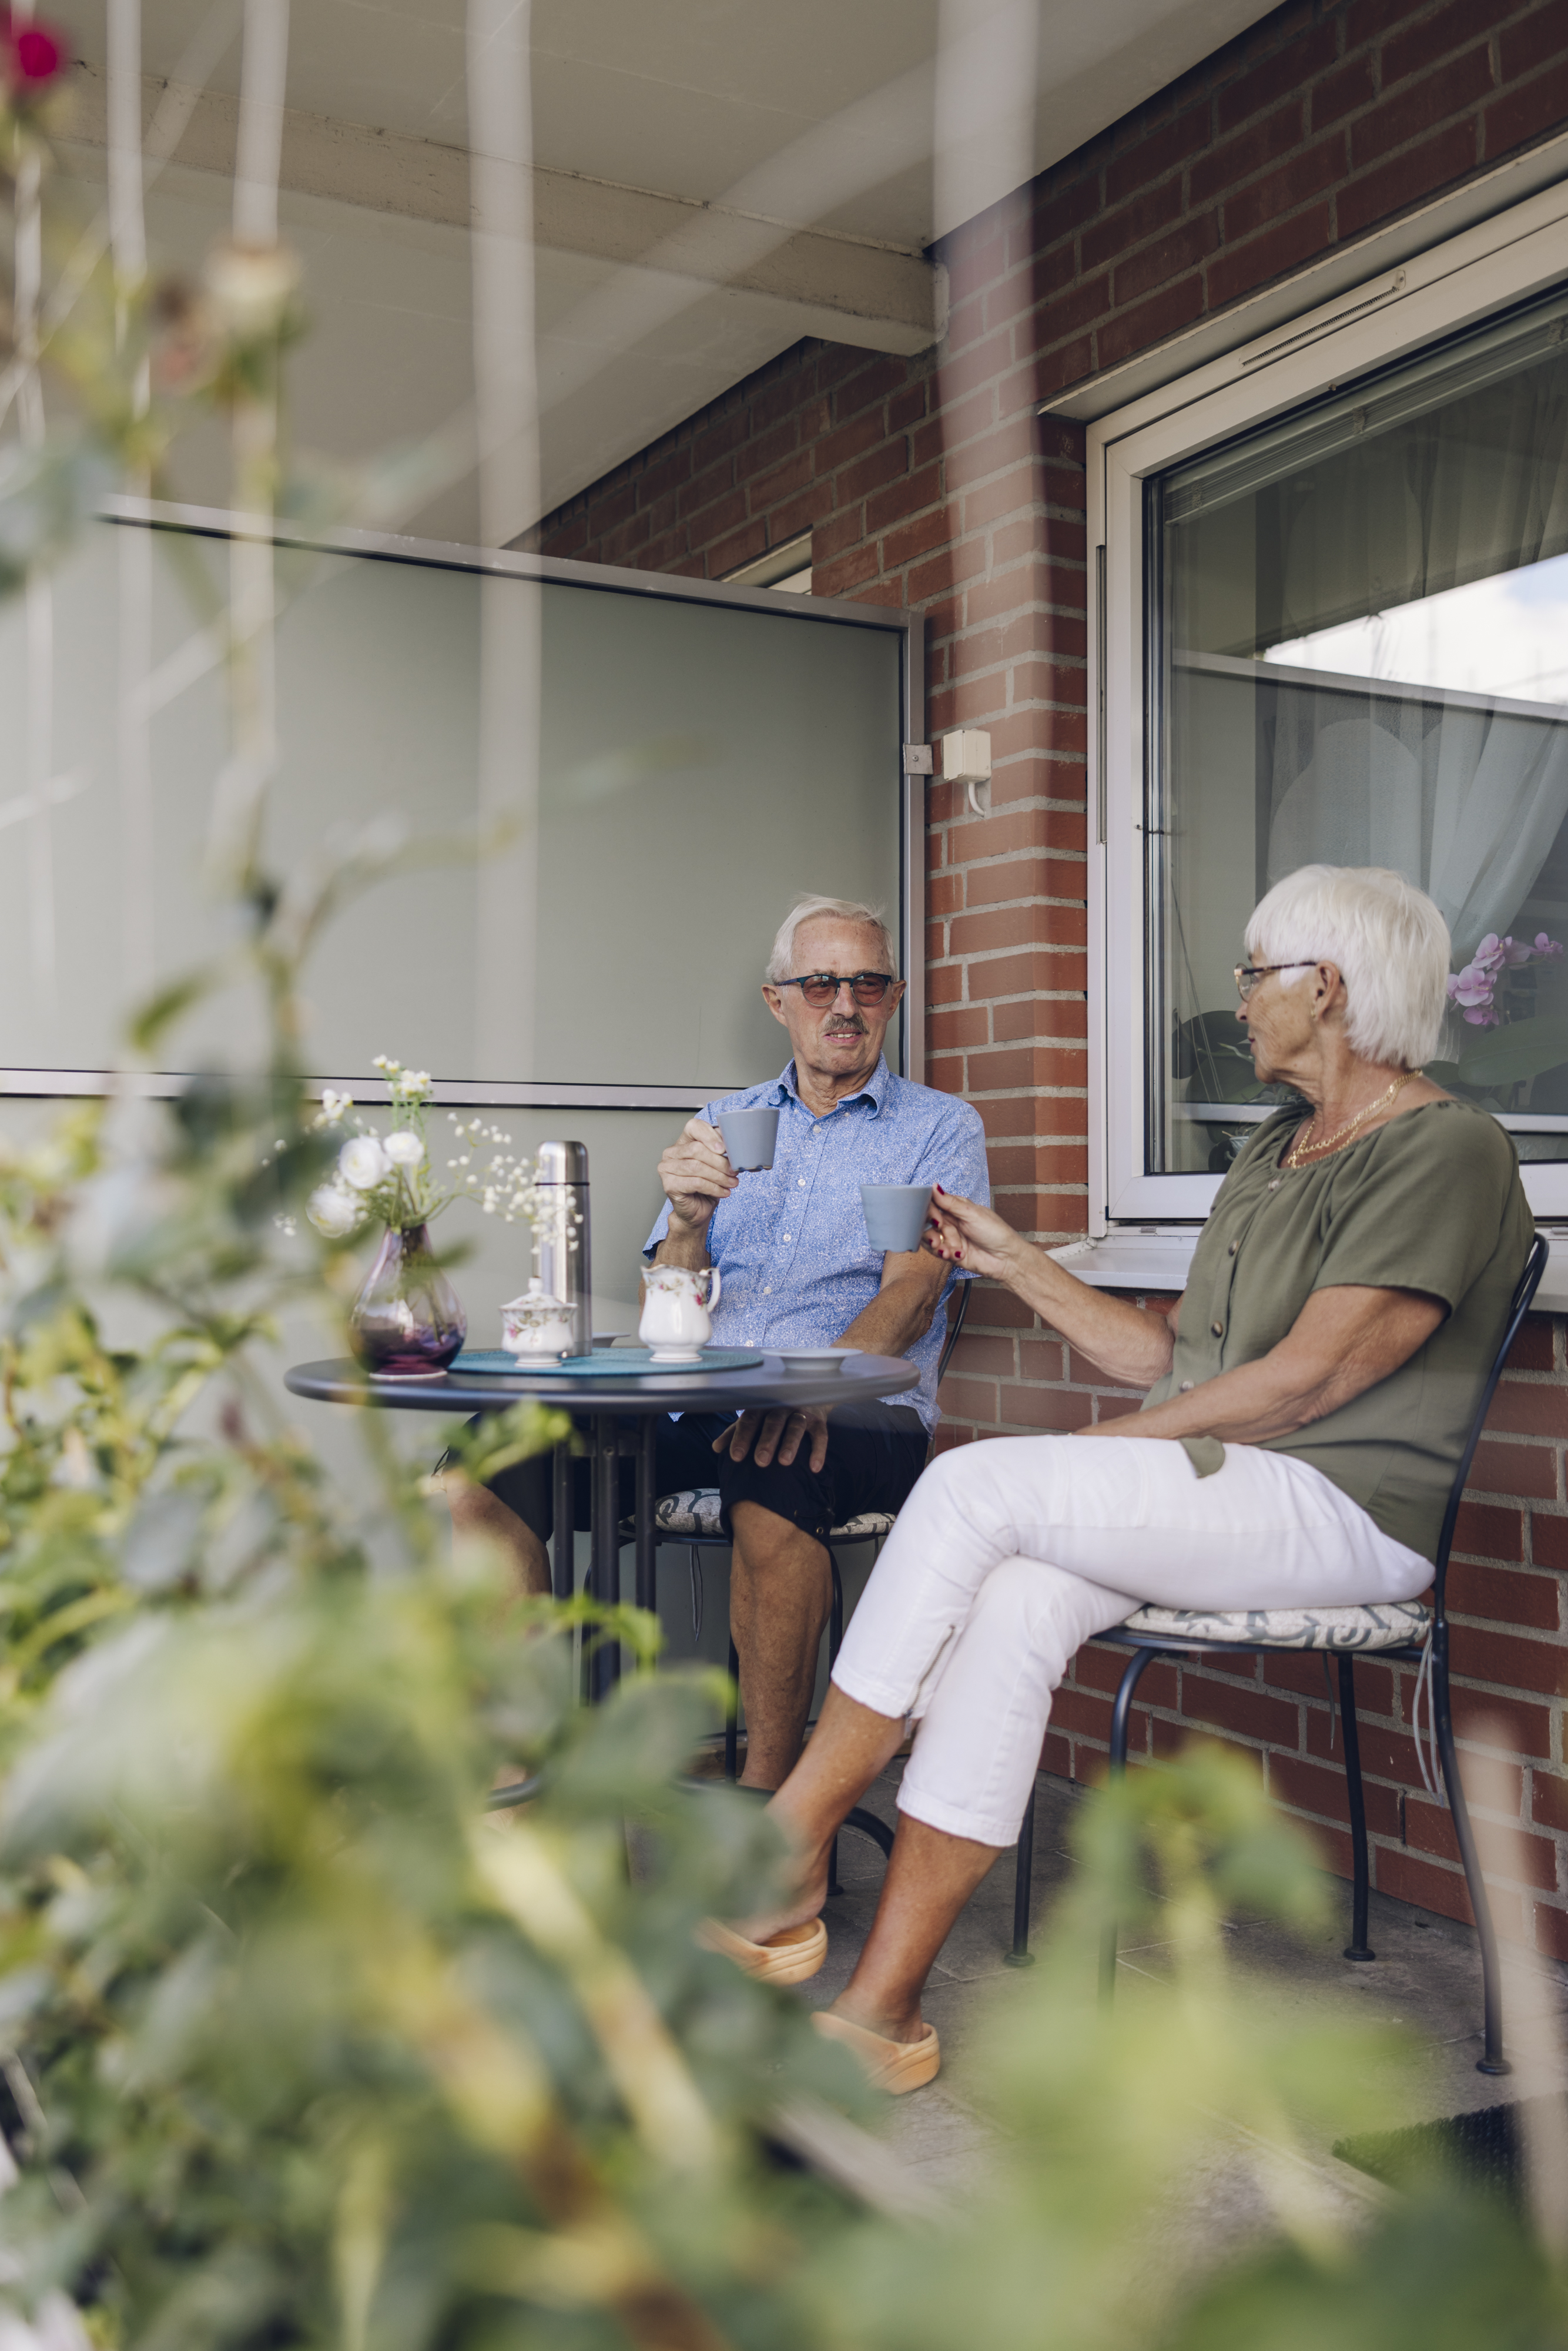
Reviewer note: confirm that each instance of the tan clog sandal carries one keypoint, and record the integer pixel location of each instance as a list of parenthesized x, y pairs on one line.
[(787, 1957), (895, 2066)]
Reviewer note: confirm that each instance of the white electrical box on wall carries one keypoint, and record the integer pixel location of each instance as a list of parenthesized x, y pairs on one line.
[(966, 760)]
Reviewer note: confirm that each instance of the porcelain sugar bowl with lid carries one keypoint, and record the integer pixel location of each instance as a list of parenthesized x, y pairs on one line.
[(536, 1327)]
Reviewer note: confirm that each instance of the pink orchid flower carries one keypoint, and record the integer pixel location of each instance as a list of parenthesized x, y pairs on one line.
[(1474, 989)]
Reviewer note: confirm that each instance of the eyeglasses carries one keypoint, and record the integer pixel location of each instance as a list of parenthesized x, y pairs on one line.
[(820, 988), (1247, 975)]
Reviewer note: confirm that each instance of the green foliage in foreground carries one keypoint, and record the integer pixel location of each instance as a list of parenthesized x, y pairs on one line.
[(324, 2053), (298, 2048), (302, 2047)]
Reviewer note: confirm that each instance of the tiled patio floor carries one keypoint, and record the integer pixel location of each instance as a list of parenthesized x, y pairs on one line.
[(1426, 1975)]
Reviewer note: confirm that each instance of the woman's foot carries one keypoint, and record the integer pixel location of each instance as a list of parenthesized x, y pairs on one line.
[(786, 1944), (789, 1956), (892, 2063), (798, 1908), (868, 2016)]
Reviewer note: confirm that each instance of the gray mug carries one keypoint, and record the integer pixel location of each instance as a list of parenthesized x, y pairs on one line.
[(896, 1214), (749, 1137)]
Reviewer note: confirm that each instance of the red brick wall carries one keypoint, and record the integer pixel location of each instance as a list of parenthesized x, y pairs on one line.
[(930, 482)]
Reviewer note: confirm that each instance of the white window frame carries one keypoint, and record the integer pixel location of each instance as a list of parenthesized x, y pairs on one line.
[(1455, 285)]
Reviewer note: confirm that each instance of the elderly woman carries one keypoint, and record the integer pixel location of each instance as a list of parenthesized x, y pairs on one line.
[(1307, 1400)]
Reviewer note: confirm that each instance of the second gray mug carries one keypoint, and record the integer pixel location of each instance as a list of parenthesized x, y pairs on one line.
[(895, 1214)]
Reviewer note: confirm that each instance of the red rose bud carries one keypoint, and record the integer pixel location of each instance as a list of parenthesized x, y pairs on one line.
[(39, 54)]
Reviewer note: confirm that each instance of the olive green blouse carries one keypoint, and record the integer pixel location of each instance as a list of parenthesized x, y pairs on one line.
[(1432, 1202)]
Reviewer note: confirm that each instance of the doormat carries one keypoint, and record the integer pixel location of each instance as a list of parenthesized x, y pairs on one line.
[(1485, 2150)]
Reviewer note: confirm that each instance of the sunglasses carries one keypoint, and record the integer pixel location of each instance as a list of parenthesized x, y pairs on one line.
[(820, 988)]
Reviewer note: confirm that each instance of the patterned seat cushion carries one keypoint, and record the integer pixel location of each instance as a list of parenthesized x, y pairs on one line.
[(869, 1523), (1375, 1625), (694, 1513)]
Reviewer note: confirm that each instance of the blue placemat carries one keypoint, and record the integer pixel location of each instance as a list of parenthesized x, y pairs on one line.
[(607, 1363)]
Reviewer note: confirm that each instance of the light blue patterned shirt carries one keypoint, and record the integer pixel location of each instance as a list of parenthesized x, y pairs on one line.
[(791, 1243)]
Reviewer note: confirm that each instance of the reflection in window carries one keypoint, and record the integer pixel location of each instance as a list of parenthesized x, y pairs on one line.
[(1359, 630)]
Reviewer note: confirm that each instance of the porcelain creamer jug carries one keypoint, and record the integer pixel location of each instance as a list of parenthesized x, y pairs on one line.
[(676, 1325)]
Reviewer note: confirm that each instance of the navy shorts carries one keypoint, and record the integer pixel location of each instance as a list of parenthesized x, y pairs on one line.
[(875, 1453)]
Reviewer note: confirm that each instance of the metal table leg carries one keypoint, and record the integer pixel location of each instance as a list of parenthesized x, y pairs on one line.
[(605, 1544), (647, 1494), (564, 1542)]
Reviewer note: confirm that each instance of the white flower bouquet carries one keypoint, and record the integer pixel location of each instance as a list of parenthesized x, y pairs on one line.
[(389, 1178)]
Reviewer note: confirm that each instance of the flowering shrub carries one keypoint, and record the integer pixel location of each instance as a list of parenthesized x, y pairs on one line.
[(389, 1177), (32, 55), (1474, 989)]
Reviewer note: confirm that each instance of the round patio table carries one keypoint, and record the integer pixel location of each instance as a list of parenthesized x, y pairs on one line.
[(600, 1403)]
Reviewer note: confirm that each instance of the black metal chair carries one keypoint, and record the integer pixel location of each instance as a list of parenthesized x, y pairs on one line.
[(1405, 1630), (692, 1518)]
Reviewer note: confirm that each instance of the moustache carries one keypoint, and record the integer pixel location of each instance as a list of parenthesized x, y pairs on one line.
[(847, 1028)]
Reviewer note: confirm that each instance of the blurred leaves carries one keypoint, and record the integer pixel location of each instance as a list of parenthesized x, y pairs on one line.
[(46, 496), (302, 2044), (297, 2014)]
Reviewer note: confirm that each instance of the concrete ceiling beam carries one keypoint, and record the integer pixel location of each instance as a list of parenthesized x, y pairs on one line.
[(843, 288)]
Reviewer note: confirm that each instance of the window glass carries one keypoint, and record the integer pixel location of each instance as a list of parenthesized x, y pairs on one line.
[(1359, 652)]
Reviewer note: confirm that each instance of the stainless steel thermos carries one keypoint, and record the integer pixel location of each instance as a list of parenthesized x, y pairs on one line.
[(565, 1263)]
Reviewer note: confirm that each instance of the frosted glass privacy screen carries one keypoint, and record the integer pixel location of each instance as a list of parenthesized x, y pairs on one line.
[(698, 764)]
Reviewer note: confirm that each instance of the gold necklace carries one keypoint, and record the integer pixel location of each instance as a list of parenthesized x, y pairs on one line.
[(1302, 1149)]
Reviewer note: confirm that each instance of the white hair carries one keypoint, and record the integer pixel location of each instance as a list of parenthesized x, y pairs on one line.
[(1389, 941), (811, 909)]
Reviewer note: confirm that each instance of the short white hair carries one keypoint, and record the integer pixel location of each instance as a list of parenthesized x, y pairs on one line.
[(1389, 940), (811, 909)]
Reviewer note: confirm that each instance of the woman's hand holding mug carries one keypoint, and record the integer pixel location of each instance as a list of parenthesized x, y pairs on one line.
[(972, 1236)]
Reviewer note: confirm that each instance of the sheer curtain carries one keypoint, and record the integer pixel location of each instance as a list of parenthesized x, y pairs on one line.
[(1464, 800)]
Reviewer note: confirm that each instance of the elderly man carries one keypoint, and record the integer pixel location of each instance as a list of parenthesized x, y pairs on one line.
[(798, 1271)]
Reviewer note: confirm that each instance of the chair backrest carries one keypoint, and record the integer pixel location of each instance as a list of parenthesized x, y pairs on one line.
[(957, 1324), (1529, 1282)]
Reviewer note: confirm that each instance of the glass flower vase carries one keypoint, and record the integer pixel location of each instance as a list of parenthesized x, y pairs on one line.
[(407, 1322)]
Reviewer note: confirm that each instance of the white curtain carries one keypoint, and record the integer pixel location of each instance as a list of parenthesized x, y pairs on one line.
[(1465, 802)]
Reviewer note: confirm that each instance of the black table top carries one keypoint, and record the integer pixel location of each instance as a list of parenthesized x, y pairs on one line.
[(341, 1381)]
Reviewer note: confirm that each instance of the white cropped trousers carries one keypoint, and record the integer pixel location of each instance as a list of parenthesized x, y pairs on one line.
[(1009, 1554)]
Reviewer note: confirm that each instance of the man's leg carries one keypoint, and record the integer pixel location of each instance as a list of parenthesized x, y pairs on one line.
[(480, 1516), (513, 1514), (781, 1592), (781, 1574)]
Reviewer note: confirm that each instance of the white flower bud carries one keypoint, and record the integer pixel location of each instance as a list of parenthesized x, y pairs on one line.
[(251, 287), (333, 1210), (403, 1148), (362, 1162)]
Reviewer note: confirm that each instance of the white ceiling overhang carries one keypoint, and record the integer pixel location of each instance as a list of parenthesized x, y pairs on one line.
[(709, 181)]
